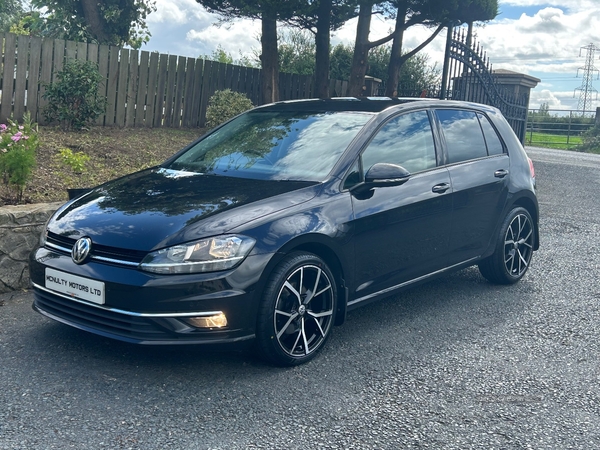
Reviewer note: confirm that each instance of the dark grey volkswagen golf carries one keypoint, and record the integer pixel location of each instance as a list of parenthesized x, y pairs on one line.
[(273, 226)]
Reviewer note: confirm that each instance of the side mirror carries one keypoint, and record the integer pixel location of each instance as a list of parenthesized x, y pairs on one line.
[(383, 174)]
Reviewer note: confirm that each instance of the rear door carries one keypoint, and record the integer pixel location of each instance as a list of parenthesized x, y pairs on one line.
[(478, 165)]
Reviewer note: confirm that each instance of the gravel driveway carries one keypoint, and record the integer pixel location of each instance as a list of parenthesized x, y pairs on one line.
[(457, 363)]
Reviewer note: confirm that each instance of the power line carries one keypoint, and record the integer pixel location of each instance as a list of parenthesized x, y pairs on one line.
[(586, 88)]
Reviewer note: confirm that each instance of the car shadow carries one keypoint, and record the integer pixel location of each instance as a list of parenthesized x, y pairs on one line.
[(452, 308)]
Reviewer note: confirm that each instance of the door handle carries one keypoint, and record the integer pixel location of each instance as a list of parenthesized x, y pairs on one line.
[(501, 173), (440, 188)]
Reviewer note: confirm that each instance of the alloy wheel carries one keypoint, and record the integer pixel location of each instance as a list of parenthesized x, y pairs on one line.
[(304, 311), (518, 245)]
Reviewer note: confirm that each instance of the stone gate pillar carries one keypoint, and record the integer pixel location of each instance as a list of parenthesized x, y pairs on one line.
[(516, 84)]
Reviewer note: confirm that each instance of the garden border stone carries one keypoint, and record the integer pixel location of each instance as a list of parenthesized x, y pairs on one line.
[(20, 228)]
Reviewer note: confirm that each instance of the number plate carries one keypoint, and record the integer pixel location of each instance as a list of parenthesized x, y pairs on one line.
[(75, 286)]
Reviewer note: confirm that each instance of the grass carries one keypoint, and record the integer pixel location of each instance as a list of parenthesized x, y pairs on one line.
[(113, 153), (557, 141)]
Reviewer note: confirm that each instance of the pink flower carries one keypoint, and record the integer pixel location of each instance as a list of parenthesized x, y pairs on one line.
[(17, 137), (21, 127), (3, 128)]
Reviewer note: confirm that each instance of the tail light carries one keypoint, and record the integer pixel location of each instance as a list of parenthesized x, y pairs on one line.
[(531, 169)]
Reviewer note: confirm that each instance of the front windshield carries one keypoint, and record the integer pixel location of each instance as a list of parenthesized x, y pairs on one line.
[(275, 145)]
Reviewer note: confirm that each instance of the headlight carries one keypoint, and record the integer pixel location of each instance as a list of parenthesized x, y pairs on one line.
[(44, 233), (207, 255)]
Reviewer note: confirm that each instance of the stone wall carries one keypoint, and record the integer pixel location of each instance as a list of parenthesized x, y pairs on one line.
[(20, 228)]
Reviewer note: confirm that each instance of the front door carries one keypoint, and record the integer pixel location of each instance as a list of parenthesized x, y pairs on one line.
[(401, 232)]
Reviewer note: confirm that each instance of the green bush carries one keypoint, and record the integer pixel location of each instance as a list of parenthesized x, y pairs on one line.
[(591, 140), (224, 105), (73, 98), (74, 166), (18, 146)]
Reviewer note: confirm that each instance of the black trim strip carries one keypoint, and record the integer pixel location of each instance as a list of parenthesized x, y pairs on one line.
[(129, 313), (406, 283)]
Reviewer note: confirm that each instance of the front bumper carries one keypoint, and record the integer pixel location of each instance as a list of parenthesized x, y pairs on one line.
[(146, 308)]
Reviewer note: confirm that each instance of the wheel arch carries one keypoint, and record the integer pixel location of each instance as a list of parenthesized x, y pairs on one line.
[(523, 201), (532, 208), (322, 247)]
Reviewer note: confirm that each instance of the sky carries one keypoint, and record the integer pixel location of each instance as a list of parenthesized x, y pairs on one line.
[(542, 38)]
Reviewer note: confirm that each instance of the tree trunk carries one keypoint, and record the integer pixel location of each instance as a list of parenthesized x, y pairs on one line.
[(391, 89), (94, 20), (322, 49), (269, 80), (356, 85)]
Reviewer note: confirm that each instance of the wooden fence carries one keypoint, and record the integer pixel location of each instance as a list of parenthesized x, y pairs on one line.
[(142, 89)]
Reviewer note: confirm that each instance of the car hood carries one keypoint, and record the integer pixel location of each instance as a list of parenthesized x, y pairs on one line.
[(159, 207)]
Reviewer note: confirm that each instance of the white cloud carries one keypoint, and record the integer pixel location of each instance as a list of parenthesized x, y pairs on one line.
[(560, 100), (178, 12), (547, 20), (239, 37), (571, 5), (549, 35), (168, 12), (545, 96)]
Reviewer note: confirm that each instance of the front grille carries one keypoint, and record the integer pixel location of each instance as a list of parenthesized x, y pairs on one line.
[(99, 252), (123, 326), (59, 241)]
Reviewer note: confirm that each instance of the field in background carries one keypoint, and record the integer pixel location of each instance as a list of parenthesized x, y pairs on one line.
[(557, 141), (559, 129)]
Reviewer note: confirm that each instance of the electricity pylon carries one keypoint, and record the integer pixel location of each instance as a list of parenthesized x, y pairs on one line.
[(586, 88)]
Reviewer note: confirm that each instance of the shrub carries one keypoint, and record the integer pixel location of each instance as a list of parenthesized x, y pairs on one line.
[(224, 105), (18, 146), (74, 165), (591, 140), (73, 98)]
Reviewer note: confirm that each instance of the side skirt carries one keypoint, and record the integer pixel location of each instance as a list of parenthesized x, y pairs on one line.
[(353, 303)]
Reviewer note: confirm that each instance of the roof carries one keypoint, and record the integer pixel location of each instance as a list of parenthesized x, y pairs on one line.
[(364, 104), (368, 104)]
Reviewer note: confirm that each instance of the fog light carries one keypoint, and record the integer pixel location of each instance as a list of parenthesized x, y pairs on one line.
[(216, 321)]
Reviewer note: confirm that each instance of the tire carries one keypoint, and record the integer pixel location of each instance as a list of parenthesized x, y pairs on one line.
[(297, 311), (514, 249)]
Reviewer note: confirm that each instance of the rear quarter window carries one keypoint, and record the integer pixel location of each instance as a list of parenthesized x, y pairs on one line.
[(494, 144)]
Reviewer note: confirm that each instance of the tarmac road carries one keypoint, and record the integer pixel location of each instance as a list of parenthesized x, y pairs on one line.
[(457, 363)]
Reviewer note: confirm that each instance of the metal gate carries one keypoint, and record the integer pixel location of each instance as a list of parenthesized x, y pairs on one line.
[(468, 76)]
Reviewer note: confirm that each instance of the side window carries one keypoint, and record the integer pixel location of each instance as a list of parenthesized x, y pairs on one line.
[(406, 140), (463, 134), (494, 144)]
